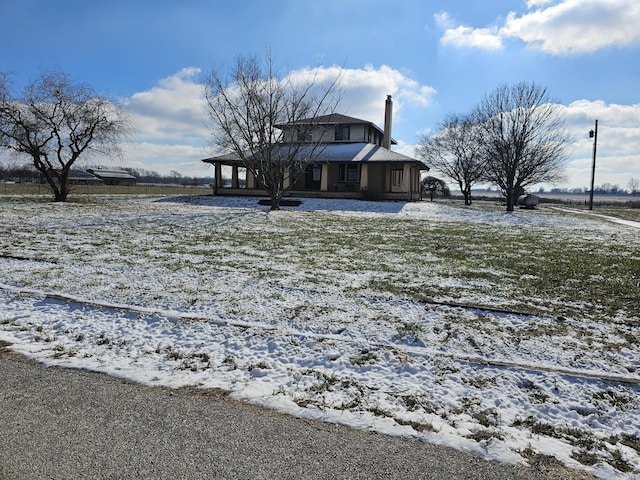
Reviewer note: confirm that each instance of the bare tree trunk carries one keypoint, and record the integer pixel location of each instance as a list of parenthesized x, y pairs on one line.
[(467, 195), (275, 202), (510, 206)]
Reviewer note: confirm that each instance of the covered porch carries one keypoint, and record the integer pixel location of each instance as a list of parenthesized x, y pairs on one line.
[(376, 181)]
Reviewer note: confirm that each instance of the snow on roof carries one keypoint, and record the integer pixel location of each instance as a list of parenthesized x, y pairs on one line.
[(80, 175), (334, 118), (110, 173), (362, 152), (336, 153)]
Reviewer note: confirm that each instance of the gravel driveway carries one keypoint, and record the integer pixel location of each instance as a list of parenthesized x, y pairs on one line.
[(60, 423)]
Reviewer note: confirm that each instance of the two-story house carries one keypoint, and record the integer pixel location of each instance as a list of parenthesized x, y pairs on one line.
[(354, 160)]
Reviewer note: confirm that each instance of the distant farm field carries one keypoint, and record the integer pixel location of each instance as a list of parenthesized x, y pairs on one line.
[(83, 191)]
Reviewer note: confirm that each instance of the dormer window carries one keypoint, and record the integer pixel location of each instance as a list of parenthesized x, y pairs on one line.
[(342, 132)]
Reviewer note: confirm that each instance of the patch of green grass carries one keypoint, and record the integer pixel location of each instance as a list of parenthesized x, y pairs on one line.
[(486, 418), (540, 461), (262, 365), (230, 362), (326, 382), (409, 332), (417, 426), (588, 445), (612, 398), (624, 212), (365, 357), (415, 402), (535, 392), (485, 435), (618, 462), (533, 269), (630, 441), (585, 457), (479, 382), (537, 428)]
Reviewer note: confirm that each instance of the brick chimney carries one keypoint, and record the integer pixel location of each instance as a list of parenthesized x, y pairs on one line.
[(388, 114)]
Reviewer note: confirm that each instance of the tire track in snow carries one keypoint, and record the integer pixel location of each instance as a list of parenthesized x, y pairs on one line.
[(415, 351), (621, 221)]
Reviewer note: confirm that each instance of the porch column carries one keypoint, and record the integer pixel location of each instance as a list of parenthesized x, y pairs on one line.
[(218, 174), (324, 177), (251, 180), (407, 178), (234, 177), (364, 177)]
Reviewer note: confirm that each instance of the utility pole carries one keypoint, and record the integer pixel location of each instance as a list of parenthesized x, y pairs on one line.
[(593, 134)]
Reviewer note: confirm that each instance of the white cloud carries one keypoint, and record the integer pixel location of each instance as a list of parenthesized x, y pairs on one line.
[(481, 38), (577, 26), (461, 36), (535, 3), (172, 132), (563, 27), (365, 91), (617, 157), (443, 20), (163, 158), (611, 114), (171, 111)]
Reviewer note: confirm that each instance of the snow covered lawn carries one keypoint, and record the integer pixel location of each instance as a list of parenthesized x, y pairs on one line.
[(507, 335)]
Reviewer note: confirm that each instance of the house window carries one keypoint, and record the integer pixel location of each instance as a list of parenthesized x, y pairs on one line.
[(352, 173), (397, 177), (317, 173), (303, 134), (342, 132), (348, 173)]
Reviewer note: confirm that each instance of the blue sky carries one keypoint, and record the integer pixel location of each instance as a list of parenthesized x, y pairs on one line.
[(433, 56)]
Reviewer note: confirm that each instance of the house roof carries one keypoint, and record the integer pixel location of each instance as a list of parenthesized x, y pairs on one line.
[(363, 153), (77, 175), (335, 153), (111, 173), (334, 119)]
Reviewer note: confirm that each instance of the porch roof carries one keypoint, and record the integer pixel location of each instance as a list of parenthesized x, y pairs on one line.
[(334, 153)]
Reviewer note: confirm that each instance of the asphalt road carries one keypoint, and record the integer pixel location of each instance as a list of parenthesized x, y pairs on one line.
[(58, 423)]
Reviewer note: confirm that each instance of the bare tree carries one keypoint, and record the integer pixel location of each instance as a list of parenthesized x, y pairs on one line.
[(523, 138), (434, 187), (56, 121), (248, 109), (634, 186), (455, 152)]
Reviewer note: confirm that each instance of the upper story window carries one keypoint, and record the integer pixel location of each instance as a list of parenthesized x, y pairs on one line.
[(342, 132), (303, 134)]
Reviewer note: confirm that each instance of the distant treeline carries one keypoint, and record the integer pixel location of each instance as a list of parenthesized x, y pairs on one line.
[(28, 174), (604, 189)]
